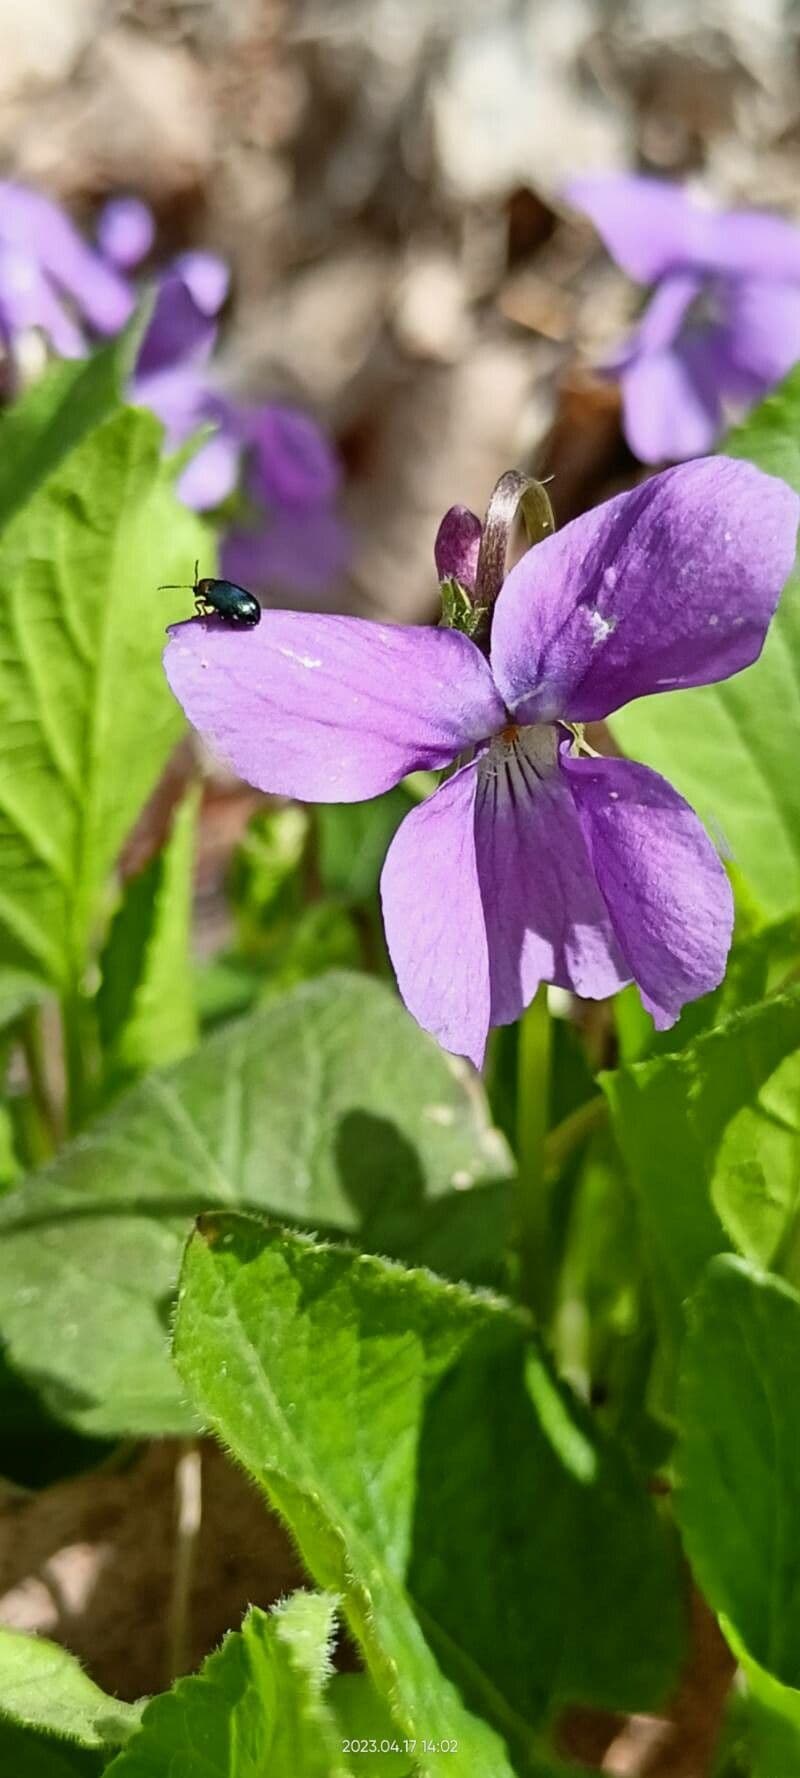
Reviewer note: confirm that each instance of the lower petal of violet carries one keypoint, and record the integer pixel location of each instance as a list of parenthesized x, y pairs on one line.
[(488, 889), (434, 919), (666, 891), (545, 916), (669, 414)]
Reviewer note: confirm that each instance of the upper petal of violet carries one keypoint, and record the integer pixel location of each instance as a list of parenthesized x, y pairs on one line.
[(331, 709), (650, 226), (753, 244), (125, 231), (666, 891), (33, 223), (670, 585)]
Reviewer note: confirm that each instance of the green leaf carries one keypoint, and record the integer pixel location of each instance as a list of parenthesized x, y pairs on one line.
[(58, 412), (738, 1458), (282, 939), (759, 964), (329, 1107), (712, 1141), (255, 1708), (87, 719), (24, 1754), (36, 1449), (726, 747), (433, 1473), (43, 1688), (354, 839), (771, 1713), (19, 991), (145, 1004), (363, 1717)]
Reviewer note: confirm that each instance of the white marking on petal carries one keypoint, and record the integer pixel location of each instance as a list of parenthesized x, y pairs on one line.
[(713, 621), (303, 660), (601, 627)]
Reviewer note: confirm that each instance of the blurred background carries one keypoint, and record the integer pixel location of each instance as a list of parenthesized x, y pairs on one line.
[(384, 179)]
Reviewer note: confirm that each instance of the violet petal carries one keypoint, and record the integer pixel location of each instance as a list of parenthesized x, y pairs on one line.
[(179, 397), (291, 551), (434, 921), (660, 323), (666, 891), (207, 278), (27, 300), (125, 231), (211, 474), (649, 226), (545, 916), (291, 462), (40, 229), (178, 329), (753, 244), (669, 413), (331, 709), (670, 585), (763, 330)]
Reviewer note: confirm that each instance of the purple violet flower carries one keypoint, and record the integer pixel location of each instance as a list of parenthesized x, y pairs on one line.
[(723, 323), (535, 860), (44, 259), (297, 538), (126, 230)]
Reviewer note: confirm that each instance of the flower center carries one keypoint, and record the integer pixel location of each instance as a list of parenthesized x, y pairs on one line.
[(705, 310), (519, 754)]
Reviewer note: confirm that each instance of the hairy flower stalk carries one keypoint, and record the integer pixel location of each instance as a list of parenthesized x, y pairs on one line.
[(531, 862)]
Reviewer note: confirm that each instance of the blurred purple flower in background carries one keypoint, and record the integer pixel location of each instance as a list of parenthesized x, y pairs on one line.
[(51, 279), (536, 859), (723, 323), (290, 535)]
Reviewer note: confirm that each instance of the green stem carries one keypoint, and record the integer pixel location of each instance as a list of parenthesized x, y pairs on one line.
[(533, 1207), (73, 1019), (571, 1132), (44, 1123)]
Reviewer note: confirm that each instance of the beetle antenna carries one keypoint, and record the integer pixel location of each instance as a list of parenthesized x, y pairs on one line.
[(175, 586)]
